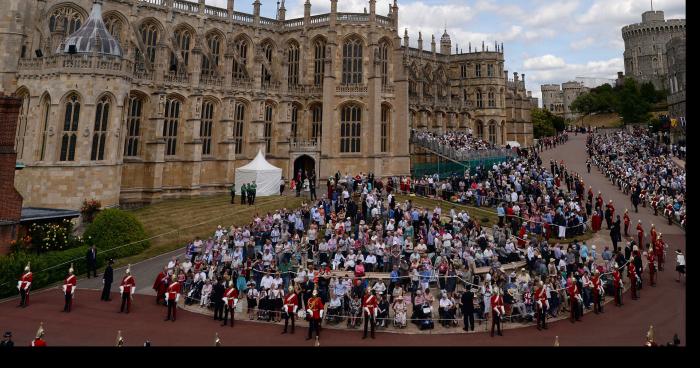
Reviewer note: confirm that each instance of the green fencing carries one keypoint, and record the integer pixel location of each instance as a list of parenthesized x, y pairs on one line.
[(446, 168)]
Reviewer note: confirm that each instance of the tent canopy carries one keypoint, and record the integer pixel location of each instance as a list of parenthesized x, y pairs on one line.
[(266, 176), (513, 143)]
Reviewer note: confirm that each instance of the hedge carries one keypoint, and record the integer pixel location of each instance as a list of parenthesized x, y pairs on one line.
[(111, 229)]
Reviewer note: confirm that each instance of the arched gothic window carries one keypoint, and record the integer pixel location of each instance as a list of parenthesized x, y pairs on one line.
[(99, 134), (479, 100), (114, 26), (265, 72), (352, 61), (205, 127), (293, 64), (492, 99), (316, 122), (170, 125), (268, 128), (238, 123), (492, 132), (22, 125), (183, 38), (149, 36), (69, 137), (209, 67), (239, 66), (71, 18), (133, 127), (386, 121), (319, 64), (384, 62), (350, 128)]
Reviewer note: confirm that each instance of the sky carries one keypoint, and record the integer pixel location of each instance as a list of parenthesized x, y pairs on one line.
[(551, 41)]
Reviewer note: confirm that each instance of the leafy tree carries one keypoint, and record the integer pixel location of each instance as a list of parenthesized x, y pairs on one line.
[(631, 106), (542, 125), (648, 93)]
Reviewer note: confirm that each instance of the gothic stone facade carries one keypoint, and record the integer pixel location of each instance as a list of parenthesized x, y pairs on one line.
[(198, 90)]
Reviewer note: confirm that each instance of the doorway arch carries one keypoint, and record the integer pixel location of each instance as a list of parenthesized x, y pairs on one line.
[(306, 164)]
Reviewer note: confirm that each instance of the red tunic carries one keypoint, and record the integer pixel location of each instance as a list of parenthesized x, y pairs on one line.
[(232, 295), (128, 284), (572, 290), (70, 283), (369, 304), (497, 305), (632, 272), (541, 298), (38, 343), (653, 235), (597, 221), (640, 234), (315, 307), (291, 301), (26, 280), (173, 291), (597, 286), (617, 281)]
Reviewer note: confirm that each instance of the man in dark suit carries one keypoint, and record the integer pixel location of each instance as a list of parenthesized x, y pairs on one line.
[(107, 279), (467, 303), (217, 293), (91, 258)]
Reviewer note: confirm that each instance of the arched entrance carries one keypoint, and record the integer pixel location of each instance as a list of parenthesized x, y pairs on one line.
[(307, 165)]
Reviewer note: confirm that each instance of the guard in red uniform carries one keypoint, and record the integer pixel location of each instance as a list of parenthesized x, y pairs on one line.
[(632, 274), (369, 307), (626, 218), (161, 285), (126, 289), (643, 198), (23, 285), (655, 204), (651, 258), (171, 297), (497, 311), (598, 292), (230, 302), (669, 213), (653, 234), (291, 304), (69, 288), (575, 298), (640, 232), (612, 209), (39, 340), (660, 249), (617, 285), (542, 306), (314, 314)]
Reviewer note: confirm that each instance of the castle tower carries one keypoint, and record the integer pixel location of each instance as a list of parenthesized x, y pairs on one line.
[(15, 23)]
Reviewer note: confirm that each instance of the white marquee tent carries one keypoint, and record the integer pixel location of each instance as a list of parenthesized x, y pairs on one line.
[(266, 176)]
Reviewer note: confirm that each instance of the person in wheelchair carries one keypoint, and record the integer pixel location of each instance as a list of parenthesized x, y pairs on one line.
[(424, 314), (355, 312), (400, 312), (335, 310), (447, 310)]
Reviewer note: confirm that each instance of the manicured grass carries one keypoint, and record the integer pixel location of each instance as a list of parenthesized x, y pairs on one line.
[(177, 221)]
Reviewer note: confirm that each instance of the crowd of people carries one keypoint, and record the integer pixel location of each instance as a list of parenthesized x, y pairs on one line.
[(458, 140), (644, 169), (359, 243)]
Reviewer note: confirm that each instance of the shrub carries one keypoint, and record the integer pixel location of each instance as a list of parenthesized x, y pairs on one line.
[(111, 230), (53, 236)]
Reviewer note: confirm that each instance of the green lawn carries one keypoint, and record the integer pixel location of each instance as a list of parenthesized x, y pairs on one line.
[(179, 220)]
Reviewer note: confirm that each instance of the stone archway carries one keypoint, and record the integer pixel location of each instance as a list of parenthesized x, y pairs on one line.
[(307, 165)]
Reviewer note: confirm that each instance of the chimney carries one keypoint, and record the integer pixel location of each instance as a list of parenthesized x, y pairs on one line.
[(307, 9), (420, 41)]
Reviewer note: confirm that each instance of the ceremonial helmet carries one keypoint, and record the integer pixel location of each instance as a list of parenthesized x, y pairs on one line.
[(26, 268), (217, 340), (120, 339), (40, 331), (174, 278), (70, 270), (315, 292), (128, 269), (650, 334), (290, 288)]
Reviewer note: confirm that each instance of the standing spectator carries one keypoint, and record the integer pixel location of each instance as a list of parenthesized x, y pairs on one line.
[(91, 259), (107, 279), (680, 264)]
